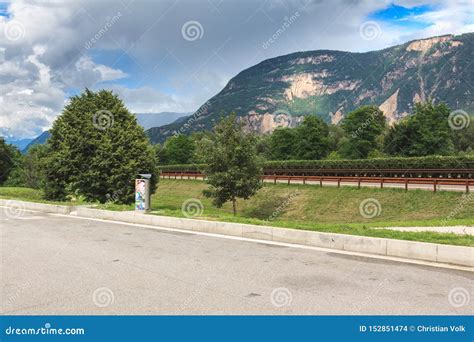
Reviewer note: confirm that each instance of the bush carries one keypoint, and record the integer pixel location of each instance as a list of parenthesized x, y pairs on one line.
[(376, 164), (96, 150)]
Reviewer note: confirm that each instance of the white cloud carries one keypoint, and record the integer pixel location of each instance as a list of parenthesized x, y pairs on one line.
[(44, 53)]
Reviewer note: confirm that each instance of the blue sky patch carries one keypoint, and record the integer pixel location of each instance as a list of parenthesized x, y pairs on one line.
[(3, 9), (403, 16)]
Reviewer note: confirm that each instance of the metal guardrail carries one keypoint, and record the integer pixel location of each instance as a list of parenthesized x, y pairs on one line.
[(435, 182)]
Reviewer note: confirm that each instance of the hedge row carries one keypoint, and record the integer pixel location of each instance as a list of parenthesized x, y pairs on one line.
[(433, 162)]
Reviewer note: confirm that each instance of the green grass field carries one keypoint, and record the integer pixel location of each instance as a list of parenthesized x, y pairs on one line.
[(313, 208)]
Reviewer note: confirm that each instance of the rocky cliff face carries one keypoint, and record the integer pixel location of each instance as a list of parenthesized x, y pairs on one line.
[(280, 91)]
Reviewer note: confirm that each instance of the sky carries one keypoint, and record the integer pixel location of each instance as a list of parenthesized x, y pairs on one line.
[(173, 55)]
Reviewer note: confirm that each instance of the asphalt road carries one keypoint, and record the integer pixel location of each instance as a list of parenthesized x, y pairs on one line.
[(61, 265)]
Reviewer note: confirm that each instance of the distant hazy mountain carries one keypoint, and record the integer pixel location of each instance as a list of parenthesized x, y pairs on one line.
[(39, 140), (149, 120), (19, 143), (280, 91), (146, 120)]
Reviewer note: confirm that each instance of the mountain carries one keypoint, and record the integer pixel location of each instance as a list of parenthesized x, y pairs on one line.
[(146, 120), (39, 140), (281, 91), (149, 120), (19, 143)]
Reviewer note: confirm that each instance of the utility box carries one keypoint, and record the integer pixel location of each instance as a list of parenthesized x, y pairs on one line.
[(142, 194)]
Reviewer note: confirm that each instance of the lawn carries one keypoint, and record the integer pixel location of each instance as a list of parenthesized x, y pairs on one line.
[(311, 207)]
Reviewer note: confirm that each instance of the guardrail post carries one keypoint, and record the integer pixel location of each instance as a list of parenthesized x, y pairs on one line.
[(358, 184), (381, 183), (406, 185), (467, 187), (434, 185), (304, 180), (339, 182), (321, 182), (289, 180), (274, 179)]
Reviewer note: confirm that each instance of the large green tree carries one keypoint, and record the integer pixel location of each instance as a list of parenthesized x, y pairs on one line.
[(312, 139), (363, 128), (282, 144), (9, 158), (425, 132), (464, 137), (96, 150), (233, 168)]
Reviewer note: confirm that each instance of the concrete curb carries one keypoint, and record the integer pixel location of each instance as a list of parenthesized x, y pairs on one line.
[(439, 253)]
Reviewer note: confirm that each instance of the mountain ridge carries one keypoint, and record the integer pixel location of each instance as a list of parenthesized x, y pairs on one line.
[(280, 91)]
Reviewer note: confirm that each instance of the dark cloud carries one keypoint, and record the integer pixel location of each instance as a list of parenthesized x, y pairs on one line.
[(170, 55)]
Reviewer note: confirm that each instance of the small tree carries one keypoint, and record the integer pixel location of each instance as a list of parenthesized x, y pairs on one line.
[(178, 149), (312, 139), (96, 150), (233, 169), (362, 128), (9, 158), (282, 144), (30, 169)]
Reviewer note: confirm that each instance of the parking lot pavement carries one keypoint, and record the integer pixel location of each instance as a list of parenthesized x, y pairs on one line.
[(62, 265)]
